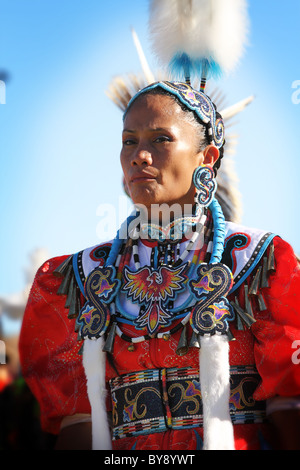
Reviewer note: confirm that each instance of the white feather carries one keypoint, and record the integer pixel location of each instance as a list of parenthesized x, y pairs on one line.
[(143, 61), (212, 29), (233, 110)]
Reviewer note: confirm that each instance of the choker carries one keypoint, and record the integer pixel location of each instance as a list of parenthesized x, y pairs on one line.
[(177, 229)]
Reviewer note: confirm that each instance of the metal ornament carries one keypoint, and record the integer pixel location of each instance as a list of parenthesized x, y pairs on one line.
[(271, 260), (243, 318), (109, 343), (183, 346), (195, 341)]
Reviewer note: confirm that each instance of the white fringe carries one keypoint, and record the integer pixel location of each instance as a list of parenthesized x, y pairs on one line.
[(215, 390), (94, 365)]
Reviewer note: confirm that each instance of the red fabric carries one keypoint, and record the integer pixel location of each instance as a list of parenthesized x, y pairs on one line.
[(49, 349), (53, 369), (278, 328), (246, 437)]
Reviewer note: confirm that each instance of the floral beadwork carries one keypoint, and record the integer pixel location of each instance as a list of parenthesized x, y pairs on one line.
[(212, 311)]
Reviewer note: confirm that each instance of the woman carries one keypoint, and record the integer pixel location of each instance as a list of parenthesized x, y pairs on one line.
[(143, 297)]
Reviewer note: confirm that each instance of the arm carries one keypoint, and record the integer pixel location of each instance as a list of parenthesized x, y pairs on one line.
[(287, 428), (49, 352), (75, 437), (275, 331)]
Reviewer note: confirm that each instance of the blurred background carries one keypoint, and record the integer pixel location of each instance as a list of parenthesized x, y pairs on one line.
[(60, 134)]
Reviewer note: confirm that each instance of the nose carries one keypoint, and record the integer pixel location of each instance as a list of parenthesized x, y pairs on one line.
[(141, 157)]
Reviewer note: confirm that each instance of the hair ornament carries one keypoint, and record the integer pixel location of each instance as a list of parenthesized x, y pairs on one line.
[(198, 38)]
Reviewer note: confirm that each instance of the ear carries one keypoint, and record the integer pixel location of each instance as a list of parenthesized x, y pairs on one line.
[(210, 155)]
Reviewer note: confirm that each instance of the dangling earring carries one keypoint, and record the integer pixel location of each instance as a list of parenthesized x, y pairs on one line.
[(205, 183)]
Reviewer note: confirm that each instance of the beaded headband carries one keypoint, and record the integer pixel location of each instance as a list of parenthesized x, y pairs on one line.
[(196, 101)]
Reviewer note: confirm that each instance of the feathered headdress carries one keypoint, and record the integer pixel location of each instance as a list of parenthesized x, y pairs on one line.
[(198, 38)]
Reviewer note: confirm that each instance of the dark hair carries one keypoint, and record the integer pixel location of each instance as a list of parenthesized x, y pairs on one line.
[(193, 115)]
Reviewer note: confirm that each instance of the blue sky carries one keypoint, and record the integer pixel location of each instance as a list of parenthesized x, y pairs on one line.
[(60, 133)]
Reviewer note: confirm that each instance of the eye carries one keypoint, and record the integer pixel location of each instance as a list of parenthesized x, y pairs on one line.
[(162, 139), (127, 142)]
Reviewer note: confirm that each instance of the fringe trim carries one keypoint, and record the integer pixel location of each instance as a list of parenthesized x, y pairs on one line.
[(253, 293)]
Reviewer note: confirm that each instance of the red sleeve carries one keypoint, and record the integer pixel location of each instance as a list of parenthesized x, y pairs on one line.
[(277, 330), (49, 350)]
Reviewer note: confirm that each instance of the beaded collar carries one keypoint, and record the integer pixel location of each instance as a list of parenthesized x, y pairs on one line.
[(154, 287)]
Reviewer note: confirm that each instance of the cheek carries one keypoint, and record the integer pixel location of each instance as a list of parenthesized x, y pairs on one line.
[(183, 167), (178, 180), (124, 164)]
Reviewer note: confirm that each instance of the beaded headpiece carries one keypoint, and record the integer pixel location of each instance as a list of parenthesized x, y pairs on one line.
[(196, 101)]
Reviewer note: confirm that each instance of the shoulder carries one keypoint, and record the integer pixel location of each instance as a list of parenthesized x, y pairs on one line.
[(254, 240), (243, 236), (56, 295), (86, 260), (77, 264), (244, 248), (59, 281)]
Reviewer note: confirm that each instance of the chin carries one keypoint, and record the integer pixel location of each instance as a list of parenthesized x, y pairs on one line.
[(145, 198)]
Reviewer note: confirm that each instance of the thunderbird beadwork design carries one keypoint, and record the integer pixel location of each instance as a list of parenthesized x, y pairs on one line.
[(212, 311), (100, 288), (152, 289)]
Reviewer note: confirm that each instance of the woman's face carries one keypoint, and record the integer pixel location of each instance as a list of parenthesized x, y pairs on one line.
[(160, 152)]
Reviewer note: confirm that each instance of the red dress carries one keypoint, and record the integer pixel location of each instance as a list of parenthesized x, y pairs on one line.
[(52, 365)]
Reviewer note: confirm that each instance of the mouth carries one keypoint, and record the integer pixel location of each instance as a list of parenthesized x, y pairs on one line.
[(142, 178)]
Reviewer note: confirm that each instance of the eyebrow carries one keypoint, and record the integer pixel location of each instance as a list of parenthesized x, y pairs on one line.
[(155, 129)]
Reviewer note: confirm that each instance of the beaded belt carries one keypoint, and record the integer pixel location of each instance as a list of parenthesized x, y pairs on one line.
[(159, 399)]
